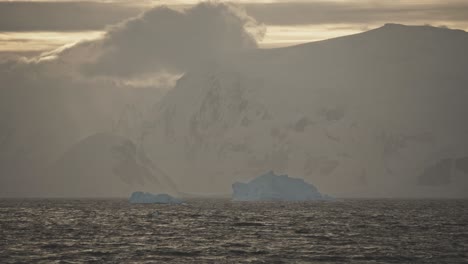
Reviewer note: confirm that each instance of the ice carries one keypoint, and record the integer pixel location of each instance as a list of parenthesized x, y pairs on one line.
[(147, 198), (272, 187)]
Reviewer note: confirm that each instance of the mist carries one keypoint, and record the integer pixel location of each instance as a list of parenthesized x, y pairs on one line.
[(184, 101)]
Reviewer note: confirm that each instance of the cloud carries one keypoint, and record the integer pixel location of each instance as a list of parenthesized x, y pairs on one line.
[(307, 20), (62, 16), (87, 15), (167, 39), (161, 40), (345, 12)]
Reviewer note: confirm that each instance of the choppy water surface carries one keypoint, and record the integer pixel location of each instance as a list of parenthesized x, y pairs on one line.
[(220, 231)]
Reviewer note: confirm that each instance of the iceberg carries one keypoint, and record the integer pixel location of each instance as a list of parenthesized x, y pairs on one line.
[(149, 198), (272, 187)]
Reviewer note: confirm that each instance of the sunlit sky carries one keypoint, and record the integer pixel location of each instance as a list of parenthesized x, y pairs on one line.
[(37, 25)]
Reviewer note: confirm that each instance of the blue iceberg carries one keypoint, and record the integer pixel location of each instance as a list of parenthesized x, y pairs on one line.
[(272, 187)]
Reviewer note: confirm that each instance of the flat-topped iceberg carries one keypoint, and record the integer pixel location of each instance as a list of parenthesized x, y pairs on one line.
[(272, 187), (148, 198)]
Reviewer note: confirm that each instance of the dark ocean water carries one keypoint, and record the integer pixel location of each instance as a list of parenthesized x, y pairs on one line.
[(220, 231)]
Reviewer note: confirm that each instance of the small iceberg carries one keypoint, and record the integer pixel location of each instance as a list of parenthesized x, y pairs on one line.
[(272, 187), (149, 198)]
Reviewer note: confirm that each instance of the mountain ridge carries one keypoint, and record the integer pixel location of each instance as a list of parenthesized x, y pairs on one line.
[(264, 107), (361, 115)]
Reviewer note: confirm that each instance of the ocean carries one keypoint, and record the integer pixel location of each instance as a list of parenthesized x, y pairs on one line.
[(221, 231)]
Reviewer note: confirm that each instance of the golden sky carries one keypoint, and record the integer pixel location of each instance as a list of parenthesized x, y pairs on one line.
[(37, 28)]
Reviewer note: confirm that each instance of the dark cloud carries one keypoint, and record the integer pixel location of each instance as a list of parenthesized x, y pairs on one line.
[(62, 16), (73, 16), (354, 12)]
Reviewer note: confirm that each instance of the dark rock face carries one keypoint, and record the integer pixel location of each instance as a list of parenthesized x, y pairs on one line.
[(131, 166), (438, 174), (113, 164)]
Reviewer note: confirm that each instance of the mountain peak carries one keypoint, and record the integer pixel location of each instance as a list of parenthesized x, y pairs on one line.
[(401, 27)]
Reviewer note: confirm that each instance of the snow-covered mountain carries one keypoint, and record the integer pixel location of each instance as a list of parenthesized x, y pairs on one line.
[(40, 119), (381, 113), (104, 165), (362, 115)]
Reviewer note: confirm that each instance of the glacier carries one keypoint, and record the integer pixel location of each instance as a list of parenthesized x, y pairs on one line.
[(272, 187), (149, 198)]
